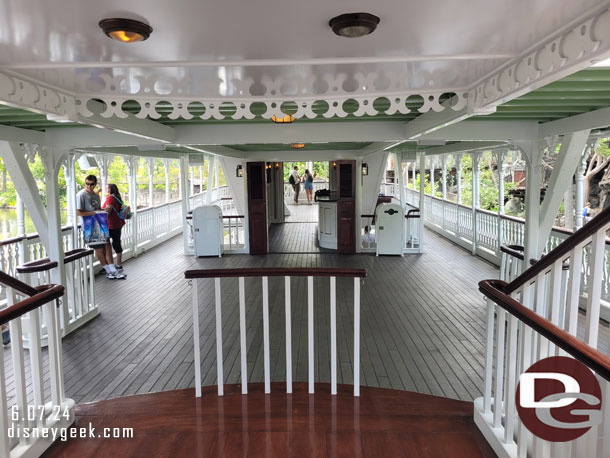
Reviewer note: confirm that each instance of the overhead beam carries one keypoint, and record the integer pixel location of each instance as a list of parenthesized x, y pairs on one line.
[(592, 120), (84, 137), (434, 120), (461, 147), (311, 132), (487, 130), (15, 134)]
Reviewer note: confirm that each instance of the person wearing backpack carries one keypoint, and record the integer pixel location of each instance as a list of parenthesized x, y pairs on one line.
[(116, 220), (295, 181)]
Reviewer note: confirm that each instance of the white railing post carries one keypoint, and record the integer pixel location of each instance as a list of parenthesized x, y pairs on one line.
[(287, 304), (476, 175), (242, 336), (266, 335), (356, 336), (219, 361), (333, 335), (197, 352), (4, 424), (310, 333)]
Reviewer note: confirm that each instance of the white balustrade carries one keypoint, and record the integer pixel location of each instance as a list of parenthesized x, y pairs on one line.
[(199, 276), (553, 293), (31, 407)]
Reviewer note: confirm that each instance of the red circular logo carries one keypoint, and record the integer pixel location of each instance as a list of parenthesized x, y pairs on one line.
[(558, 399)]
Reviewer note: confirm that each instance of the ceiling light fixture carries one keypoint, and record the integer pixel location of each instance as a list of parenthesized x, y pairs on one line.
[(354, 25), (125, 30), (286, 119), (297, 145)]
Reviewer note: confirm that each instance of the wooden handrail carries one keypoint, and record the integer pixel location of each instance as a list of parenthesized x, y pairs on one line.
[(582, 234), (12, 282), (39, 265), (497, 291), (514, 250), (73, 255), (42, 295), (12, 240), (232, 216), (275, 272)]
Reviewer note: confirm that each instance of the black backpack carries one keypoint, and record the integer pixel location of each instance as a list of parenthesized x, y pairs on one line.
[(291, 180)]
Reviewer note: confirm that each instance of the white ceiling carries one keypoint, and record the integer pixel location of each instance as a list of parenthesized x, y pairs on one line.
[(479, 35)]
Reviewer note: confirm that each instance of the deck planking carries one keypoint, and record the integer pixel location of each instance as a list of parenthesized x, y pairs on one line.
[(423, 324)]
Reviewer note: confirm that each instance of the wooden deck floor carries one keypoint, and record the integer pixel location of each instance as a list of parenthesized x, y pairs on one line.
[(423, 324), (381, 423)]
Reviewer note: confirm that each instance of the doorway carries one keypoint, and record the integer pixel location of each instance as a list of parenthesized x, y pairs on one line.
[(298, 232)]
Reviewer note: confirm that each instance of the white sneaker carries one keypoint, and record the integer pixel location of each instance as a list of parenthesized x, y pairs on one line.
[(120, 270), (115, 275)]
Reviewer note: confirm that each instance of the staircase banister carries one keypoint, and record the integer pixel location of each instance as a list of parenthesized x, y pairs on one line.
[(43, 295), (563, 249), (515, 251), (497, 291), (12, 282), (275, 272)]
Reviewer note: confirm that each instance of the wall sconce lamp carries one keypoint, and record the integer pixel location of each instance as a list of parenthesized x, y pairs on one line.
[(365, 169), (277, 165), (334, 165), (239, 172)]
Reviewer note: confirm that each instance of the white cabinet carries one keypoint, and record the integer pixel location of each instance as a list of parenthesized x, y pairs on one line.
[(389, 228), (327, 224), (207, 230)]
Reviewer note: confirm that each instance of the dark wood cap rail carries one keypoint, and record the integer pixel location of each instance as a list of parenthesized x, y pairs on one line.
[(73, 255), (40, 265), (275, 272), (561, 250), (12, 282), (496, 290), (515, 251), (42, 296)]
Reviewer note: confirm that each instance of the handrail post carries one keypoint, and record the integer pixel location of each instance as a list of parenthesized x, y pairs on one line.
[(197, 352), (356, 336), (476, 202), (310, 334)]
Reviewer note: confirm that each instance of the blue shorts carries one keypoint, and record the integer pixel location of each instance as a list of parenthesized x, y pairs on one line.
[(309, 185)]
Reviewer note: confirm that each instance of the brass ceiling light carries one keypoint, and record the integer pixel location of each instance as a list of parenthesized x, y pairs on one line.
[(297, 145), (125, 30), (286, 119), (354, 25)]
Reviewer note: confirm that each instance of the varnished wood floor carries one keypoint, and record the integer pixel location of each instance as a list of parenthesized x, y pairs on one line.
[(381, 423)]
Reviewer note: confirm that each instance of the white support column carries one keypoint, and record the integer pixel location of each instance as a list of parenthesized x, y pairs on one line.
[(458, 172), (70, 176), (167, 163), (210, 182), (102, 165), (500, 157), (132, 172), (533, 159), (216, 166), (573, 147), (20, 216), (580, 193), (422, 187), (476, 201), (184, 201), (151, 170), (568, 204), (444, 185), (191, 182), (51, 160), (398, 173), (432, 176), (413, 175)]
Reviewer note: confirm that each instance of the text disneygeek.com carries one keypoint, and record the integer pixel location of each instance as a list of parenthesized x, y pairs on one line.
[(72, 432)]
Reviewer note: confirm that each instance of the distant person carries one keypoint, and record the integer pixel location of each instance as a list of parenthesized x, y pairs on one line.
[(308, 179), (295, 181), (88, 204), (115, 223), (368, 237)]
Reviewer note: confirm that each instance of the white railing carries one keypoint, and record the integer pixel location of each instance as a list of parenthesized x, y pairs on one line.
[(155, 225), (233, 233), (32, 407), (198, 277), (79, 306), (548, 299)]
